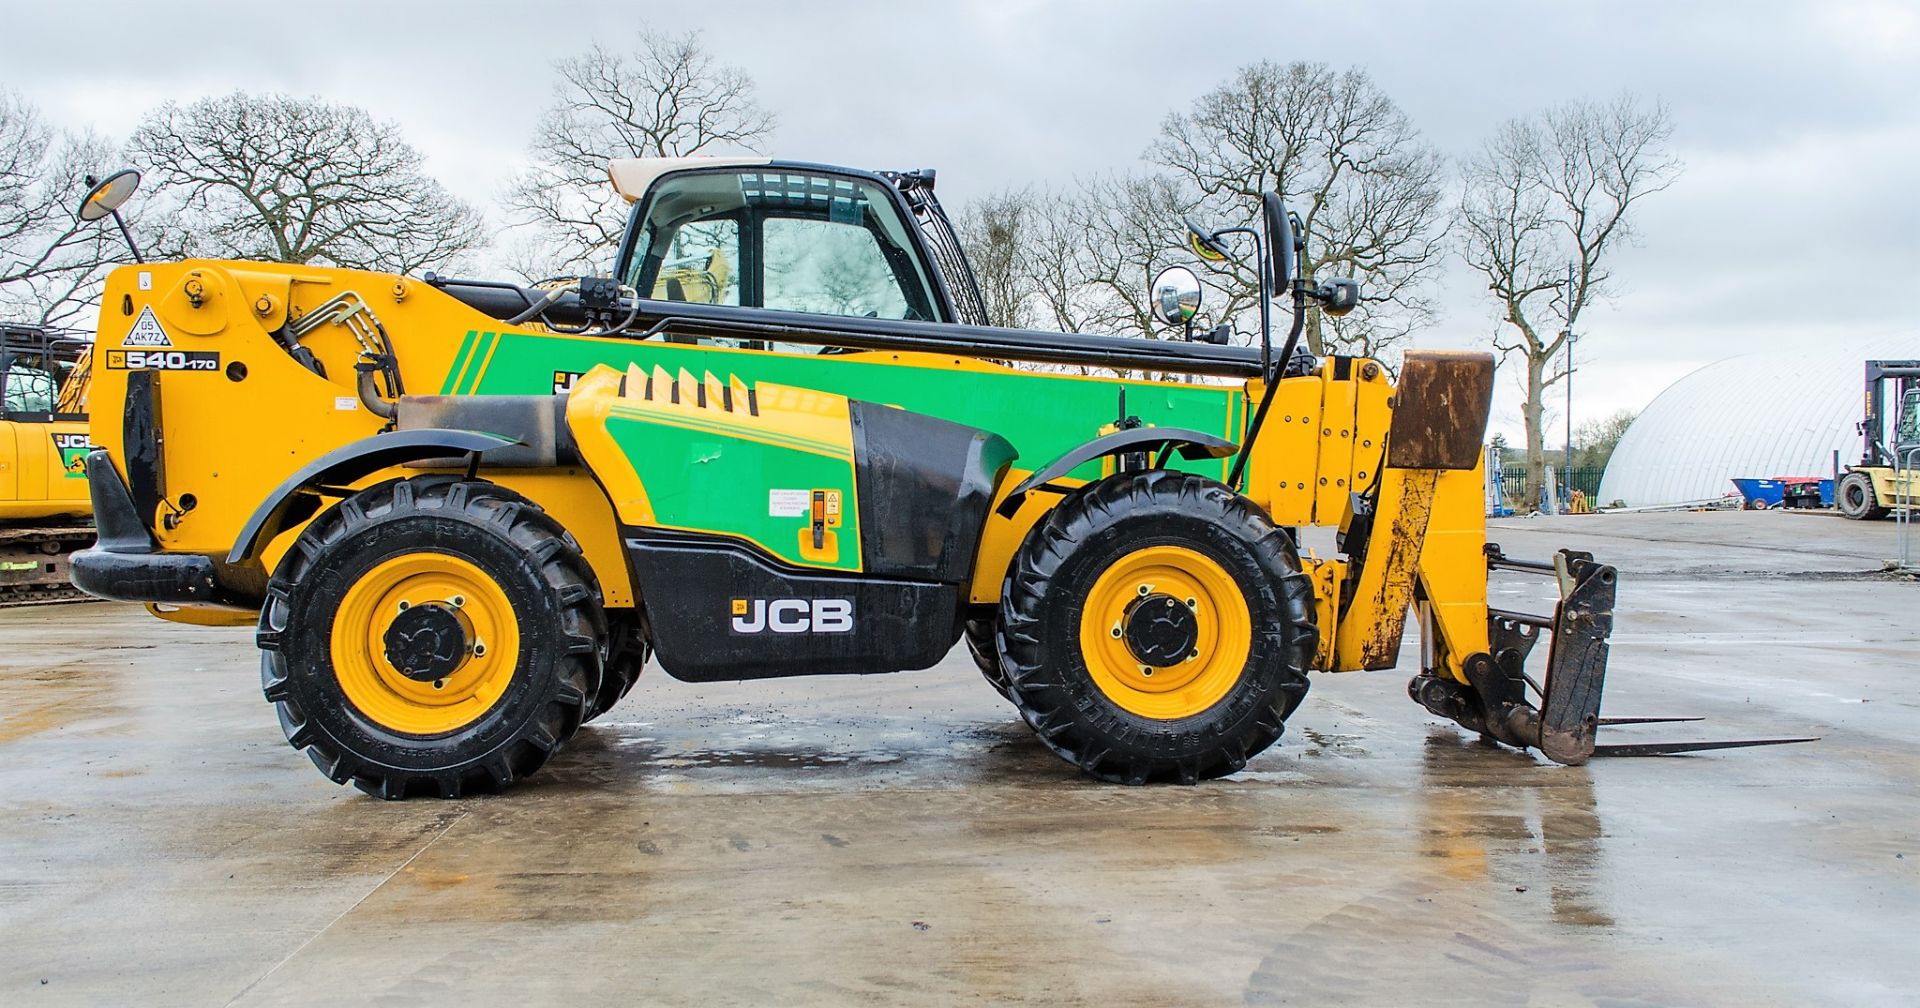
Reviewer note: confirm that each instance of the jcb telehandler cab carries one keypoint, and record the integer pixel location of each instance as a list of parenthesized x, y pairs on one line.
[(780, 441)]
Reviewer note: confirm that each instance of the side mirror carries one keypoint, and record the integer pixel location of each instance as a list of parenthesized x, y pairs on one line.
[(1338, 297), (1282, 241), (109, 194), (1205, 243), (1175, 296)]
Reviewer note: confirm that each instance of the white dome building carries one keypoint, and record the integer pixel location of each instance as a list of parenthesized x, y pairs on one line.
[(1759, 415)]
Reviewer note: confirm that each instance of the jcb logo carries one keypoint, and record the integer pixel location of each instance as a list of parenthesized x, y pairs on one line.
[(792, 615), (73, 449)]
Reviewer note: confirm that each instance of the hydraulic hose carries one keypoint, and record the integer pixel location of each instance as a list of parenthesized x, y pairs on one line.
[(369, 395)]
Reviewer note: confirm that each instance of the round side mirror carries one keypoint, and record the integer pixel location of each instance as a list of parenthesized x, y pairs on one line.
[(109, 194), (1175, 296)]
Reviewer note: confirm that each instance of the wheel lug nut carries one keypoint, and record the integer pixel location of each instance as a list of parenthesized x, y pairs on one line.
[(479, 649), (1193, 603), (439, 684), (1116, 629), (1146, 670), (404, 606), (1146, 589), (458, 601)]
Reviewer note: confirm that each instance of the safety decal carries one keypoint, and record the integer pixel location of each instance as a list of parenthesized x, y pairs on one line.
[(787, 503), (146, 331), (563, 381), (163, 360)]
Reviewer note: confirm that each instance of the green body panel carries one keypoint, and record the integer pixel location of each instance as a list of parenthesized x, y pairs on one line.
[(706, 478), (1043, 414)]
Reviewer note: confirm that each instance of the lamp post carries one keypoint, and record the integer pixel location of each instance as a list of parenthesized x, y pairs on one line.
[(1567, 476)]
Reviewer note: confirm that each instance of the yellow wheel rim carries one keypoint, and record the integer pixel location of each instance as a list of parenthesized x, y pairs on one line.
[(396, 701), (1220, 628)]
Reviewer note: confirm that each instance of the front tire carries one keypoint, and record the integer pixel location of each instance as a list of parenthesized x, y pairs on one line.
[(432, 636), (983, 645), (1854, 498), (1157, 627)]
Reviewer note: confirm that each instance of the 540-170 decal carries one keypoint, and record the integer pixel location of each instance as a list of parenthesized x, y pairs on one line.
[(163, 360)]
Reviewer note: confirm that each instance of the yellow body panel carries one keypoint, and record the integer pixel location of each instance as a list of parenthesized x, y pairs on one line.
[(40, 477), (282, 416), (1453, 572), (1282, 470), (1001, 537), (1894, 490)]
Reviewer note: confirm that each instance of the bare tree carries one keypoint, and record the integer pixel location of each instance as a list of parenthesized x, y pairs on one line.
[(1080, 259), (1347, 160), (666, 97), (1549, 192), (296, 180), (52, 264), (997, 231)]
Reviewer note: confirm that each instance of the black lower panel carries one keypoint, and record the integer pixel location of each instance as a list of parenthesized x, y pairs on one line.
[(720, 612)]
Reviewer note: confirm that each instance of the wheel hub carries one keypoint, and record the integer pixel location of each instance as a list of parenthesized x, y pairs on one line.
[(1160, 630), (428, 642)]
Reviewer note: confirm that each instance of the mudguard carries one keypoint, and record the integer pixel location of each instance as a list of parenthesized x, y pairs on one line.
[(1191, 444), (292, 502)]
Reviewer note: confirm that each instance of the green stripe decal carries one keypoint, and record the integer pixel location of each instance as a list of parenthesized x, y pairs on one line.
[(459, 363), (735, 430)]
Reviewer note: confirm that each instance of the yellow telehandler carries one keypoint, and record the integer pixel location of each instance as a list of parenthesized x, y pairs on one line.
[(464, 514)]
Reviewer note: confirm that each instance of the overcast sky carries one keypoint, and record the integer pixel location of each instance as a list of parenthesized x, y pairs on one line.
[(1795, 221)]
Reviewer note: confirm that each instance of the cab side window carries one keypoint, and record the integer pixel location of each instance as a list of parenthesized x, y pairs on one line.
[(828, 268), (698, 264), (28, 390)]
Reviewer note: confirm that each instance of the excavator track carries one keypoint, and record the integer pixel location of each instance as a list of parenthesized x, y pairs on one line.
[(34, 564)]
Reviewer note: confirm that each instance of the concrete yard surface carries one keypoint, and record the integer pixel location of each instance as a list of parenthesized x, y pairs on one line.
[(900, 840)]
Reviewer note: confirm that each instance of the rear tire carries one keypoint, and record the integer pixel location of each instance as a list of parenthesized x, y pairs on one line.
[(414, 579), (1165, 574), (1854, 498)]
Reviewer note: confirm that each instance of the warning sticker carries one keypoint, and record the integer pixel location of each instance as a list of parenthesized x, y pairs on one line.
[(787, 503), (146, 331)]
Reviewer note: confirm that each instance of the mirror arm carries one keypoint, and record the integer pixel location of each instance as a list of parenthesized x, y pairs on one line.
[(1267, 292), (128, 235)]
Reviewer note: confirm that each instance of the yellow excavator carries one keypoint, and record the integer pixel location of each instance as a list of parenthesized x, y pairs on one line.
[(45, 513), (45, 377)]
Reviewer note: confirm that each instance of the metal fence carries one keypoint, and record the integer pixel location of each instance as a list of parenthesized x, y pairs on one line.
[(1513, 485)]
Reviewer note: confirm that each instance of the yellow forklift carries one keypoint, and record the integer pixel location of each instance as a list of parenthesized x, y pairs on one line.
[(1885, 477)]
